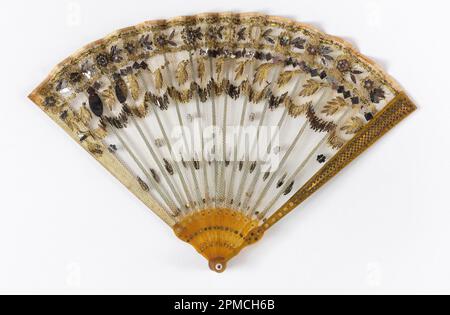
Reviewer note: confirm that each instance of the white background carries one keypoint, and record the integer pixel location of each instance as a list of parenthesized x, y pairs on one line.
[(381, 226)]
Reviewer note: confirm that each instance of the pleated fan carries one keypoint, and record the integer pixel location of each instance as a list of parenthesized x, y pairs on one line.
[(222, 124)]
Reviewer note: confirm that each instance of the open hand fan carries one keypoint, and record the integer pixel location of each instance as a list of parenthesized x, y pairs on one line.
[(222, 123)]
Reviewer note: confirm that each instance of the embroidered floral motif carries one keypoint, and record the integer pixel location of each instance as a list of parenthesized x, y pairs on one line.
[(102, 60), (192, 36), (145, 42), (162, 40), (215, 33)]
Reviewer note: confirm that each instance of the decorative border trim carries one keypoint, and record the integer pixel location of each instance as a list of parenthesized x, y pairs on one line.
[(251, 18), (397, 110)]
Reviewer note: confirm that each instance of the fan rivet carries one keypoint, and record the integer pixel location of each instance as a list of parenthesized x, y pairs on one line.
[(218, 265)]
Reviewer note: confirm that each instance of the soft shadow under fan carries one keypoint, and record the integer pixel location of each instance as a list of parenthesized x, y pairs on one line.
[(222, 124)]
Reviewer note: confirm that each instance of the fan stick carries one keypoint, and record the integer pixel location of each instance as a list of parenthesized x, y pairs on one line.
[(180, 121), (196, 185), (178, 171), (170, 203), (251, 211), (158, 163), (286, 156), (155, 156), (164, 194), (214, 122), (292, 178), (205, 200), (248, 166), (229, 200), (236, 147), (166, 138), (223, 184), (250, 191), (247, 163), (300, 169)]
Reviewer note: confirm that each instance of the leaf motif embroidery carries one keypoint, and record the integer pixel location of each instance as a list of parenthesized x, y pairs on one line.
[(219, 67), (256, 97), (140, 111), (134, 86), (298, 43), (353, 125), (335, 141), (95, 148), (240, 69), (245, 87), (311, 87), (184, 96), (75, 124), (297, 110), (182, 73), (159, 80), (201, 68), (286, 77), (85, 115), (241, 34), (263, 72), (267, 36), (109, 98), (334, 106)]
